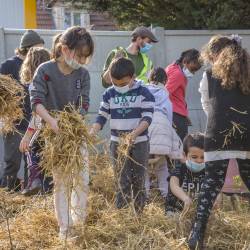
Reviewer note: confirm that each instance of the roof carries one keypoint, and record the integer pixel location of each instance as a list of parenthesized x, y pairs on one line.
[(44, 16)]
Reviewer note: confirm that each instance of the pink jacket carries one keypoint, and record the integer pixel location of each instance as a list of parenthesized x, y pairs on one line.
[(176, 86)]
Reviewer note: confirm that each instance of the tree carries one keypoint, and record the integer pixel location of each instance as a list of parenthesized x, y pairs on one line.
[(181, 14)]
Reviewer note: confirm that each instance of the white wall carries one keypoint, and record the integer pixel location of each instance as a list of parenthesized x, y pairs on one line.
[(12, 14)]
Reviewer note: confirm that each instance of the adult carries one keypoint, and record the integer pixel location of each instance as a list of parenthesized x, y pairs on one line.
[(141, 42), (12, 155), (178, 74)]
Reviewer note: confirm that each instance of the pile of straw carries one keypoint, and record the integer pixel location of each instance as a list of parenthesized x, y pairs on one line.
[(33, 225), (64, 150), (11, 98)]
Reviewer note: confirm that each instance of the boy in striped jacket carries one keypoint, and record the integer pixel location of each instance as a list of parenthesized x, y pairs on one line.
[(130, 107)]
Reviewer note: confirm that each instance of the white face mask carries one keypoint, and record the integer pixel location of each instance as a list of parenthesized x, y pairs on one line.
[(72, 63), (123, 89), (187, 72)]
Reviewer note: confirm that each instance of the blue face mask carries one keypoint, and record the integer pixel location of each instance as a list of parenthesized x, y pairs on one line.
[(146, 48), (195, 167)]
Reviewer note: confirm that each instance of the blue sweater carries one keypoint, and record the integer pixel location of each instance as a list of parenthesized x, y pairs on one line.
[(126, 111)]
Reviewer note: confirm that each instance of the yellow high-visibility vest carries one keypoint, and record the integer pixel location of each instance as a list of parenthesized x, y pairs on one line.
[(144, 74)]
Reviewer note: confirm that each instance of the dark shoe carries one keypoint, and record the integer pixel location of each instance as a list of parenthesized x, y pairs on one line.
[(13, 184), (47, 185), (3, 182), (196, 238)]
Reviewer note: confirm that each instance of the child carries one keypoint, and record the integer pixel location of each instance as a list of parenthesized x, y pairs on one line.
[(186, 179), (130, 107), (163, 139), (178, 74), (34, 58), (56, 84), (12, 156), (225, 97)]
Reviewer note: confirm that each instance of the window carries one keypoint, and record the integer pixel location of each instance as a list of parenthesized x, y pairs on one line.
[(77, 19), (67, 19), (72, 18)]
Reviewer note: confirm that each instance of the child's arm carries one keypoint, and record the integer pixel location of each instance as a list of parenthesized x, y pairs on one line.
[(38, 93), (106, 80), (147, 109), (24, 144), (103, 114), (204, 92), (139, 130), (83, 103), (178, 191), (44, 114), (95, 128)]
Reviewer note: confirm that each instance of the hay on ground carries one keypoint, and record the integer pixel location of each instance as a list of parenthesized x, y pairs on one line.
[(33, 224)]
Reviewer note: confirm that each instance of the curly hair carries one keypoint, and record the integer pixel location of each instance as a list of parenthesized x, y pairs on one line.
[(230, 62), (158, 75), (34, 58)]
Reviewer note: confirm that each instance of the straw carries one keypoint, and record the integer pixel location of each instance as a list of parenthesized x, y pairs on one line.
[(33, 224), (11, 98)]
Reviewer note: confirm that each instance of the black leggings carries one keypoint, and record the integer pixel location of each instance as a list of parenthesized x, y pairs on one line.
[(215, 174), (180, 124)]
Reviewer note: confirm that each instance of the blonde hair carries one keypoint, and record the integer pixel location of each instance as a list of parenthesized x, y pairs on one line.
[(34, 58), (230, 62)]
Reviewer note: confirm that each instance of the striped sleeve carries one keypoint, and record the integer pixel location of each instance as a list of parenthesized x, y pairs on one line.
[(104, 111), (147, 105)]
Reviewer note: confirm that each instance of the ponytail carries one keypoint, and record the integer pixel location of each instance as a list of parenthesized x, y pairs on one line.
[(56, 47)]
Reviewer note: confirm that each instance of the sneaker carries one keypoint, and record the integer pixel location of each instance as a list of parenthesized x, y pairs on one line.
[(35, 188), (170, 214)]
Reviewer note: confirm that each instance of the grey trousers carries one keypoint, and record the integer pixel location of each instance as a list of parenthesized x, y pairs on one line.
[(12, 155), (130, 175)]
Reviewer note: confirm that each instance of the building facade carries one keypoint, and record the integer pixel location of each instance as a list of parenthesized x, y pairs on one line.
[(37, 14)]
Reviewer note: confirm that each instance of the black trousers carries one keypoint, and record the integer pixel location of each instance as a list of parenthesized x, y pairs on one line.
[(215, 174), (180, 124), (130, 175)]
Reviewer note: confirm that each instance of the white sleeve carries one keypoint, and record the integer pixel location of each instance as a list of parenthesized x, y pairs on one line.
[(204, 92), (35, 122), (32, 123)]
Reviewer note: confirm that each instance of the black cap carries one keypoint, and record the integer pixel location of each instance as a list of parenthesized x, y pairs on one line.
[(144, 32), (30, 38)]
